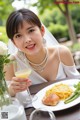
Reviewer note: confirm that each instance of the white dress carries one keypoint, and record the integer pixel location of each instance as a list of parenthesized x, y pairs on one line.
[(63, 72)]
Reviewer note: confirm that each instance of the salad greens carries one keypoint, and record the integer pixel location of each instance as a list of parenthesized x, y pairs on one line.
[(75, 94)]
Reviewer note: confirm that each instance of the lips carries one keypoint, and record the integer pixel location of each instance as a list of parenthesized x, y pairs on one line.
[(31, 46)]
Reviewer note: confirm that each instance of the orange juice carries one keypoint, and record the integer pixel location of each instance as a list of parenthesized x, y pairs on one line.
[(23, 73)]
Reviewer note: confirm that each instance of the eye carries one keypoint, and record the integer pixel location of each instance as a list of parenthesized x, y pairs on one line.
[(17, 36), (31, 30)]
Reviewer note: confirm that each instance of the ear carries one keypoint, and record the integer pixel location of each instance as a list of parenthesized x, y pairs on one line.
[(42, 30)]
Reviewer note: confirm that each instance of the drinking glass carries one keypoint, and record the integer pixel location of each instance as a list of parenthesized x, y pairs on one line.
[(42, 114), (24, 73), (13, 111)]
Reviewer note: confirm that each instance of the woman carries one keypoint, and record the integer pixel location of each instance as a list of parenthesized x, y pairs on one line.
[(25, 30)]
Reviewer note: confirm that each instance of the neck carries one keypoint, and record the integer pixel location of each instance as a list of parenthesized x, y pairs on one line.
[(41, 62), (37, 58)]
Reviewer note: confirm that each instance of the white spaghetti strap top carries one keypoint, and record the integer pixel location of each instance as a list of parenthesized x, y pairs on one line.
[(63, 70), (58, 54)]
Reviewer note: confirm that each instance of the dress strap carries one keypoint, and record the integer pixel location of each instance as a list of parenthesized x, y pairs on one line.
[(58, 54)]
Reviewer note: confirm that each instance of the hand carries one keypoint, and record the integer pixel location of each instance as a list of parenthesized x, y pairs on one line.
[(18, 85)]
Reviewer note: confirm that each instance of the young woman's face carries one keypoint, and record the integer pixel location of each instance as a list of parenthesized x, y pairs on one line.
[(29, 38)]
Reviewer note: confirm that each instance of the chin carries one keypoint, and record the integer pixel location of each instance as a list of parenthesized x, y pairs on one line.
[(33, 52)]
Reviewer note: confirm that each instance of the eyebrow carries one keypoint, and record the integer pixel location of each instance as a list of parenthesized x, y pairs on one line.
[(26, 29), (30, 27)]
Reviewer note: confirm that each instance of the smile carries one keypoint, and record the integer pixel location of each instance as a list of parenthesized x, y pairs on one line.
[(31, 46)]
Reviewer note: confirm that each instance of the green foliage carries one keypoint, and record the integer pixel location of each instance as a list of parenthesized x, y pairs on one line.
[(4, 59), (55, 22), (3, 37), (58, 30), (46, 4), (42, 5), (64, 9), (75, 47), (5, 10), (58, 17), (54, 16), (76, 18)]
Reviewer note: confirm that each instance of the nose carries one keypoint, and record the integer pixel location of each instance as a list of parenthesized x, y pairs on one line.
[(27, 38)]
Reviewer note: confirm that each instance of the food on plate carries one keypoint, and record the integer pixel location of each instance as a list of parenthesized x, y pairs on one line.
[(75, 94), (50, 100), (61, 90)]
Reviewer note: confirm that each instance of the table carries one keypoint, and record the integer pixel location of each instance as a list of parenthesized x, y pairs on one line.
[(72, 113)]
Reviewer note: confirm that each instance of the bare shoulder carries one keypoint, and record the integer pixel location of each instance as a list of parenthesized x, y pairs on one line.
[(61, 48), (65, 55), (64, 50)]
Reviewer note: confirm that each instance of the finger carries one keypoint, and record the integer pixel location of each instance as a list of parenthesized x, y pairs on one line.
[(19, 86), (21, 79), (14, 83), (28, 83), (20, 89)]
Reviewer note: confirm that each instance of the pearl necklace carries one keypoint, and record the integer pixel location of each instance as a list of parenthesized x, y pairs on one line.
[(41, 66)]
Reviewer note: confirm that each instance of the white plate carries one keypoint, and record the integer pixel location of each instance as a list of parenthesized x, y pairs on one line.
[(60, 106)]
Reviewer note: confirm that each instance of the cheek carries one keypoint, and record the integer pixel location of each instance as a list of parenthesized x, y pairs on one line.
[(38, 34), (38, 37), (18, 44)]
